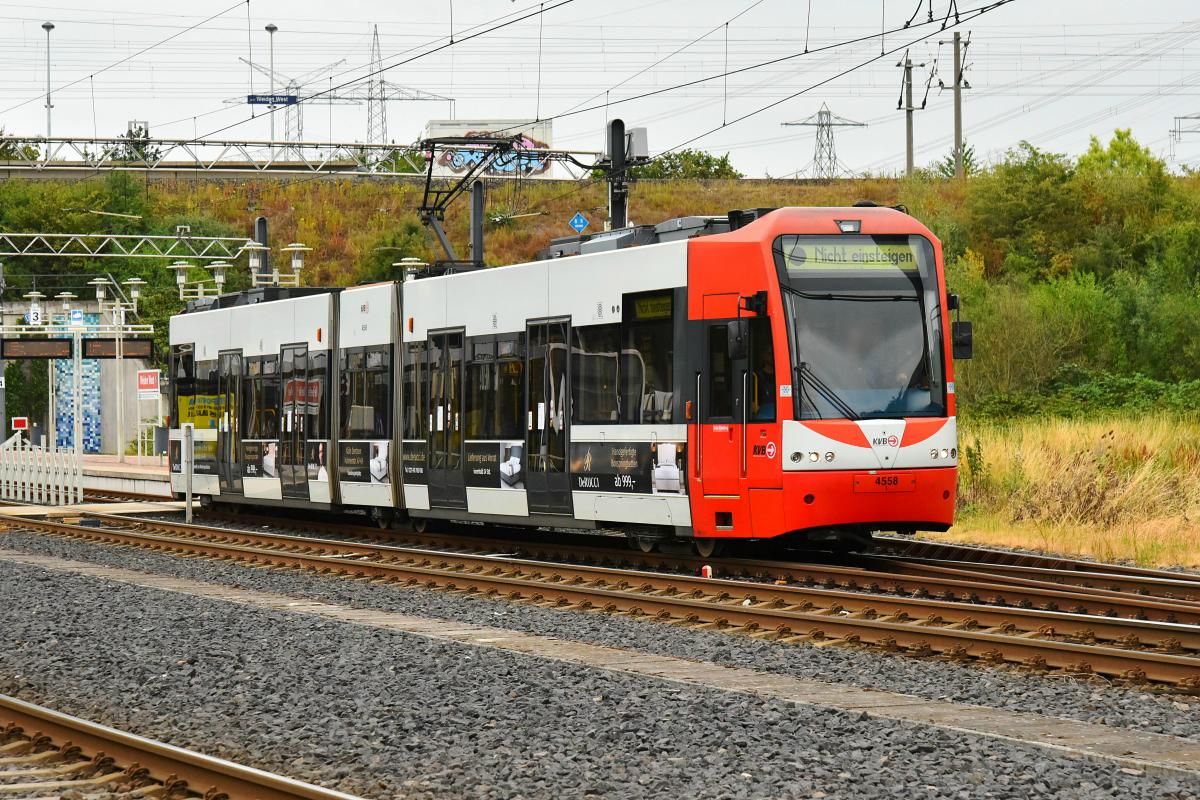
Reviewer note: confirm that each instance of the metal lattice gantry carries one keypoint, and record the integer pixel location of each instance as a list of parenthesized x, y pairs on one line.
[(825, 164), (83, 154), (104, 245), (293, 128)]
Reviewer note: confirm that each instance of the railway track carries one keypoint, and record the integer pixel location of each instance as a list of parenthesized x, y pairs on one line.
[(1123, 648), (44, 753), (1141, 594)]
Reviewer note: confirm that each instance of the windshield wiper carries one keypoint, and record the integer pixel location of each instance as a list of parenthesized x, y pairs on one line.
[(805, 373)]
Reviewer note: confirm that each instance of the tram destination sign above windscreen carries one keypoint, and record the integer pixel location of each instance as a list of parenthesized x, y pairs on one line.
[(847, 253), (107, 348), (35, 348)]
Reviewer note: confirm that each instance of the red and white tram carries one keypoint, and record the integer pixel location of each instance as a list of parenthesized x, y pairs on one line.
[(771, 373)]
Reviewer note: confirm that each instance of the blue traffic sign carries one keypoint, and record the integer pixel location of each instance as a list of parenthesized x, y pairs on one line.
[(578, 222), (76, 316)]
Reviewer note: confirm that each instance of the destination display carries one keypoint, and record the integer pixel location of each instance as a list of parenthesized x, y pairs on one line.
[(629, 467), (845, 254), (35, 348), (107, 348)]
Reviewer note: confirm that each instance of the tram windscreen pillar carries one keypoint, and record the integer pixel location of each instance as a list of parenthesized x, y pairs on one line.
[(477, 189), (618, 191)]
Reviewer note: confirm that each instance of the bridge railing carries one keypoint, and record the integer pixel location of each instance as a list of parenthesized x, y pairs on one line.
[(50, 476)]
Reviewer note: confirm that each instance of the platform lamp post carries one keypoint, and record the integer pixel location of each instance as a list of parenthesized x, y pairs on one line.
[(254, 254), (296, 251), (270, 29), (47, 27), (219, 270)]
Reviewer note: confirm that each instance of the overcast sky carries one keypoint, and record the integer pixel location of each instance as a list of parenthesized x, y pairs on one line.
[(1049, 72)]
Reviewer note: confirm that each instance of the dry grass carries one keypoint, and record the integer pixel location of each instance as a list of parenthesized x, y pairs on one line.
[(1119, 489)]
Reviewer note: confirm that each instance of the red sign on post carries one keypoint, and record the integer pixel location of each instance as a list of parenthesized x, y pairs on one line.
[(20, 423), (147, 384)]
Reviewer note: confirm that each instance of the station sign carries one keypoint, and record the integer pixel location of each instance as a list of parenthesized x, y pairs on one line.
[(35, 348), (148, 384), (272, 99)]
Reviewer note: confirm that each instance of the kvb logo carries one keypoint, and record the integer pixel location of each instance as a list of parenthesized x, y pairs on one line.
[(884, 441)]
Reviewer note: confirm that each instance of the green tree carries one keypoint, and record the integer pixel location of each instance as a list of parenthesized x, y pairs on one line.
[(406, 241), (945, 168), (687, 165)]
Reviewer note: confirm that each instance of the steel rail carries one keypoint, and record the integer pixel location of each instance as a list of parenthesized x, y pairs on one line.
[(969, 587), (946, 551), (1128, 632), (205, 775), (765, 612), (1179, 587)]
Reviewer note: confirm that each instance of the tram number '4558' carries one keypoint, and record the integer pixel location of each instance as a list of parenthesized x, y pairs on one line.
[(887, 482)]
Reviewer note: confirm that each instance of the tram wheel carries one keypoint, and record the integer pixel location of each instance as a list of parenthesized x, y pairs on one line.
[(420, 524), (646, 545), (707, 548), (382, 517)]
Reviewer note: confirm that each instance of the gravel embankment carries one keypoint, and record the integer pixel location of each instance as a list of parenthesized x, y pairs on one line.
[(386, 714), (1176, 715)]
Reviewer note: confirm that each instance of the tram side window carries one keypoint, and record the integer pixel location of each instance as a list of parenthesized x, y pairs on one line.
[(510, 387), (416, 393), (206, 406), (481, 389), (260, 398), (183, 383), (367, 399), (317, 424), (595, 371), (720, 373), (647, 356), (762, 389)]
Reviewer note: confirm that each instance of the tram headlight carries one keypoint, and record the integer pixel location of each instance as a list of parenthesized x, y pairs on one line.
[(945, 453), (814, 457), (829, 456), (933, 454), (954, 452), (797, 456)]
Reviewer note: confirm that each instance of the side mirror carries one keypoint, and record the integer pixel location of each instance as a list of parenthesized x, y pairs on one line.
[(961, 339), (739, 333), (952, 303)]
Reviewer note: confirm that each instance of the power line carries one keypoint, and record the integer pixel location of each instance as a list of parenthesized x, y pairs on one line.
[(143, 51)]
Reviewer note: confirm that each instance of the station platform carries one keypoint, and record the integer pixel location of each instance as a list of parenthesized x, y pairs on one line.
[(105, 473), (92, 508)]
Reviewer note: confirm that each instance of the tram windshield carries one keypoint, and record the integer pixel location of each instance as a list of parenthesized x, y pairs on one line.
[(865, 325)]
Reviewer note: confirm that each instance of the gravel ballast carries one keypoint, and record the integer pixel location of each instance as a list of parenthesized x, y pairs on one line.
[(383, 714), (935, 680)]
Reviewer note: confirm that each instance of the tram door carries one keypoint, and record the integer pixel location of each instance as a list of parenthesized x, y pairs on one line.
[(229, 437), (722, 428), (548, 415), (447, 484), (293, 437)]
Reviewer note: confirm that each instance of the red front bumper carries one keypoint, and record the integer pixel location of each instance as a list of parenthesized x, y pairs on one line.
[(829, 499)]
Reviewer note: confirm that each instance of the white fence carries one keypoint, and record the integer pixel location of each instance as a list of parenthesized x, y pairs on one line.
[(50, 476)]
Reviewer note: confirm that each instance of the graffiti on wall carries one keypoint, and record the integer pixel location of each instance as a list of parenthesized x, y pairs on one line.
[(516, 162)]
